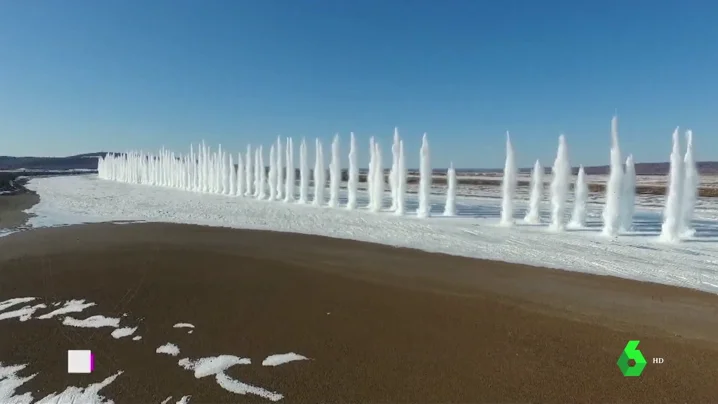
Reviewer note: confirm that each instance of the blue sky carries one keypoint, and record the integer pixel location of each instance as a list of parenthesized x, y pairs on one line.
[(88, 75)]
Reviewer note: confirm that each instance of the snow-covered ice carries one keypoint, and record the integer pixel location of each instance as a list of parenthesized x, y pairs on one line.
[(474, 233)]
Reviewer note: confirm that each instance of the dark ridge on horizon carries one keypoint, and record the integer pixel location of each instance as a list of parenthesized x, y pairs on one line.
[(87, 161)]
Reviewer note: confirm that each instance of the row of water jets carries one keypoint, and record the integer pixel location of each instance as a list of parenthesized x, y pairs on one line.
[(619, 208), (214, 172)]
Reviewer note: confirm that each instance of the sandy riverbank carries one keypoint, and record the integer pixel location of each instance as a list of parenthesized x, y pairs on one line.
[(380, 324)]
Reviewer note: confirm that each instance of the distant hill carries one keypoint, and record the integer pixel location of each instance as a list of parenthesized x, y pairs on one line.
[(704, 167), (86, 161)]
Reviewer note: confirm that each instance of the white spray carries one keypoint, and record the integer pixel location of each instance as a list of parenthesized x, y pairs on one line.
[(560, 185), (353, 180), (450, 207), (690, 188), (370, 174), (249, 175), (240, 175), (303, 172), (401, 181), (424, 179), (534, 214), (262, 177), (272, 174), (580, 191), (291, 173), (612, 209), (280, 170), (393, 177), (508, 186), (319, 181), (232, 177), (378, 181), (335, 174), (628, 197), (673, 211)]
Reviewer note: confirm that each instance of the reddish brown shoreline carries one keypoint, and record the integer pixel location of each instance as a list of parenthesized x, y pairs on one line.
[(403, 325)]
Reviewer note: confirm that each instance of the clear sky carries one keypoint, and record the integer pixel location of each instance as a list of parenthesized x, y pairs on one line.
[(87, 75)]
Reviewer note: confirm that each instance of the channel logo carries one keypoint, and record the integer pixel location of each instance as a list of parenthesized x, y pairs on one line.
[(632, 353)]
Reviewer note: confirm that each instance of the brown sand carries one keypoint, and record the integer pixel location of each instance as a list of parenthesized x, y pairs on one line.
[(12, 207), (381, 324)]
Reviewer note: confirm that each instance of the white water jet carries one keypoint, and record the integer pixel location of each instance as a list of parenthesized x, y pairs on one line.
[(580, 191), (303, 172), (401, 182), (690, 188), (219, 167), (508, 185), (249, 174), (370, 174), (424, 179), (262, 177), (272, 174), (353, 180), (673, 211), (377, 189), (232, 177), (279, 164), (291, 173), (628, 195), (240, 175), (560, 185), (534, 214), (335, 174), (393, 180), (257, 171), (614, 187), (319, 180), (450, 206)]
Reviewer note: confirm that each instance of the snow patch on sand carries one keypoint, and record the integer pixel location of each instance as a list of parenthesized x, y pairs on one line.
[(280, 359), (92, 322), (10, 381), (123, 332), (235, 386), (184, 400), (216, 365), (136, 338), (87, 395), (12, 302), (169, 349), (71, 306), (183, 325), (23, 314), (212, 365)]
